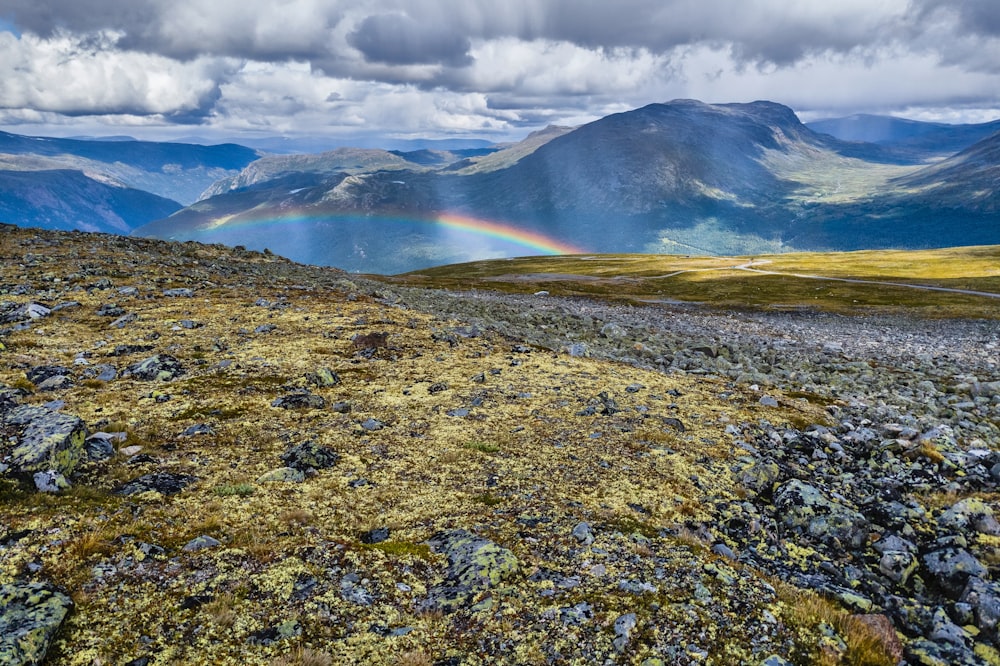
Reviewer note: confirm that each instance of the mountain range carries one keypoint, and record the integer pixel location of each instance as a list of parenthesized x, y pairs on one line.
[(680, 177), (114, 184)]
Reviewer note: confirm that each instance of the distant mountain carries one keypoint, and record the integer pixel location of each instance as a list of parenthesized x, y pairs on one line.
[(172, 170), (288, 145), (681, 177), (910, 138), (65, 199), (969, 180)]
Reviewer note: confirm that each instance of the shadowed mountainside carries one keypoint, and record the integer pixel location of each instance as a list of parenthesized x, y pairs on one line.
[(66, 199)]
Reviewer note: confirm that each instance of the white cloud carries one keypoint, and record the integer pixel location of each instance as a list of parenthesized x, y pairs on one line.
[(87, 75)]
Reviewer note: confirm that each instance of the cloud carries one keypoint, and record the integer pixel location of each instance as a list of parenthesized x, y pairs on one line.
[(86, 74), (443, 66), (398, 39)]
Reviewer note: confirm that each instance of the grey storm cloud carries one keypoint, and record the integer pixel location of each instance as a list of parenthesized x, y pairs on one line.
[(398, 39), (440, 31)]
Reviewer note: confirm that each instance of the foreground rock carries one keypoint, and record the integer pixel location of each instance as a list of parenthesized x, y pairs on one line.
[(30, 615)]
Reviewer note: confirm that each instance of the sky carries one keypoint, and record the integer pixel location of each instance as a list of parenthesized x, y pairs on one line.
[(494, 69)]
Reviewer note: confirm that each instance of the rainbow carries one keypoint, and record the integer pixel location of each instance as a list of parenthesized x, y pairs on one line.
[(537, 242)]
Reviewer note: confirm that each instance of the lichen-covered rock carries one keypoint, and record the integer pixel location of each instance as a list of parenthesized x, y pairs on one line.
[(475, 564), (970, 514), (984, 597), (282, 475), (310, 454), (30, 615), (805, 508), (166, 483), (951, 567), (50, 481), (323, 377), (24, 312), (50, 441), (299, 400), (161, 367), (759, 476)]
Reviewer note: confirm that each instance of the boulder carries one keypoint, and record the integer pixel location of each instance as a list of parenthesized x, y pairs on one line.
[(310, 454), (50, 441), (162, 367), (970, 514), (30, 615), (805, 508), (475, 564)]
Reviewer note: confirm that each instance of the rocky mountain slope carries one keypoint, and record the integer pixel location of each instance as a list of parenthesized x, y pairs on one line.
[(69, 199), (176, 171), (678, 177), (910, 139), (213, 455)]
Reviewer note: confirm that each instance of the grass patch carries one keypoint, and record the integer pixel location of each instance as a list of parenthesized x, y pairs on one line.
[(864, 645), (234, 489), (482, 447), (781, 282)]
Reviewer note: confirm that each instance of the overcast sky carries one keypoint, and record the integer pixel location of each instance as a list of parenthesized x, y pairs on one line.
[(491, 68)]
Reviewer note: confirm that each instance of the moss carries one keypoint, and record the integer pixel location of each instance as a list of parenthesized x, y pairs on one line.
[(238, 489), (401, 549), (481, 447)]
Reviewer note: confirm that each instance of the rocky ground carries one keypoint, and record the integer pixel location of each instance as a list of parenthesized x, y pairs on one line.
[(215, 456)]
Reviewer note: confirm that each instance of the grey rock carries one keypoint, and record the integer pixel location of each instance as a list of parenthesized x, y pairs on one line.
[(167, 483), (300, 400), (309, 454), (203, 542), (161, 367), (952, 567), (180, 292), (372, 425), (30, 616), (50, 481)]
